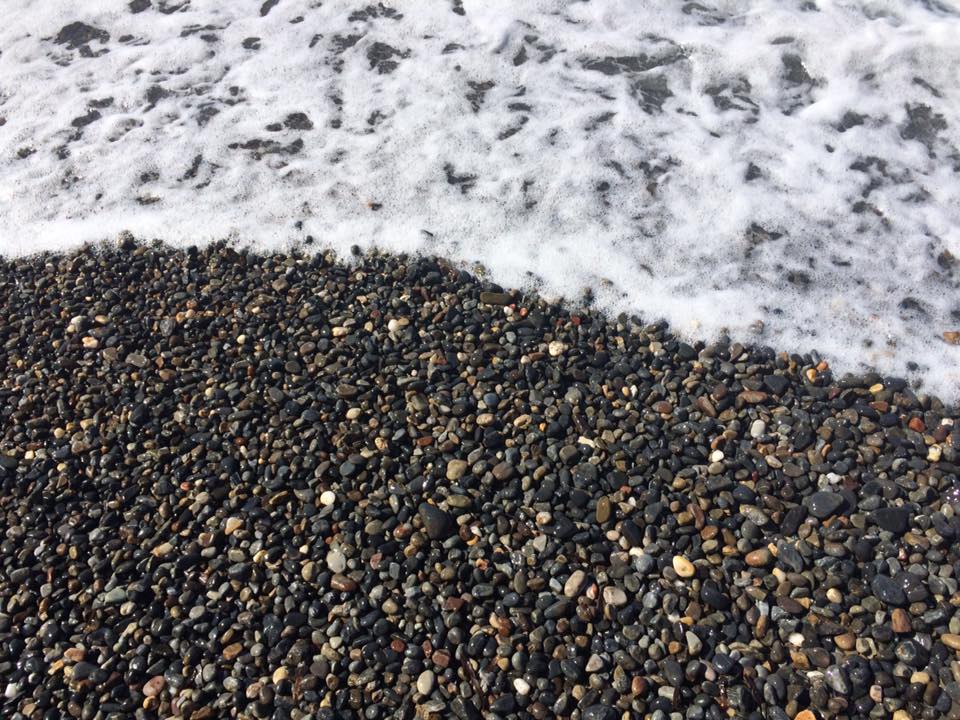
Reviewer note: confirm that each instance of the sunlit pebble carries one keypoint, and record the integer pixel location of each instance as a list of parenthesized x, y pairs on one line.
[(328, 497)]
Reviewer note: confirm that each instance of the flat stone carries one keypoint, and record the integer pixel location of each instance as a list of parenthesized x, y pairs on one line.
[(894, 520), (823, 504)]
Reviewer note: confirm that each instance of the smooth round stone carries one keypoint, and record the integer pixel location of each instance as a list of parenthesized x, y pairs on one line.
[(614, 596), (521, 686), (336, 561), (426, 682), (327, 498), (683, 567), (757, 428), (456, 469)]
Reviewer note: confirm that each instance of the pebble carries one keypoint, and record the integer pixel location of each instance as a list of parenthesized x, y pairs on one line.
[(683, 567), (426, 682), (328, 498), (823, 504), (574, 583), (614, 596)]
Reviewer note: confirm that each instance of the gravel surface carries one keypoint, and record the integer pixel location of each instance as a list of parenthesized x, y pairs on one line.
[(287, 487)]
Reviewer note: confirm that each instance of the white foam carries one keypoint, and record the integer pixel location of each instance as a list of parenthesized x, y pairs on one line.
[(527, 145)]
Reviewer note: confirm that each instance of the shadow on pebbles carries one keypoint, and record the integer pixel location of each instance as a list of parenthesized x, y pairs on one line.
[(286, 487)]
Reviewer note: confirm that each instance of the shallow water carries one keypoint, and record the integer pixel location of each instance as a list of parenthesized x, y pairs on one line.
[(722, 165)]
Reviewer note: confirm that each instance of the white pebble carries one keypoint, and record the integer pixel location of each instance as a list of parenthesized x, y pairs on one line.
[(328, 497)]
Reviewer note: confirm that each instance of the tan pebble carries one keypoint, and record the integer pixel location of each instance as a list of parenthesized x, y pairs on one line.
[(805, 715), (231, 651), (951, 641), (90, 343), (74, 654), (683, 567), (154, 686), (328, 497), (845, 641), (919, 678), (901, 715), (759, 558), (232, 524), (280, 674), (556, 348), (834, 595), (933, 454), (952, 336), (163, 549), (342, 583)]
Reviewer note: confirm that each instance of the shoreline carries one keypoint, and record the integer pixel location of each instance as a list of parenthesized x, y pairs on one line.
[(391, 488)]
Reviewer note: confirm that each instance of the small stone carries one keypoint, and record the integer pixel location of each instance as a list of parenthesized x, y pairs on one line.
[(604, 510), (951, 640), (232, 525), (888, 590), (426, 682), (823, 504), (309, 571), (614, 596), (757, 428), (895, 520), (154, 686), (574, 583), (438, 523), (328, 498), (759, 558), (342, 583), (683, 567), (456, 469), (900, 621), (90, 343), (556, 348), (279, 675), (521, 686), (230, 652), (162, 550)]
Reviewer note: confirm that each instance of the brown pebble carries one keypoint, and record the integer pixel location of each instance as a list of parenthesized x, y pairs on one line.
[(846, 641), (900, 621), (951, 641), (604, 509), (759, 558), (231, 651), (342, 583)]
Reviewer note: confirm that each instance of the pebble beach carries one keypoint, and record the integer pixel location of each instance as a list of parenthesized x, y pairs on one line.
[(296, 486)]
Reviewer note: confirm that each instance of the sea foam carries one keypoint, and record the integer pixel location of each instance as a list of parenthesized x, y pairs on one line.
[(787, 172)]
